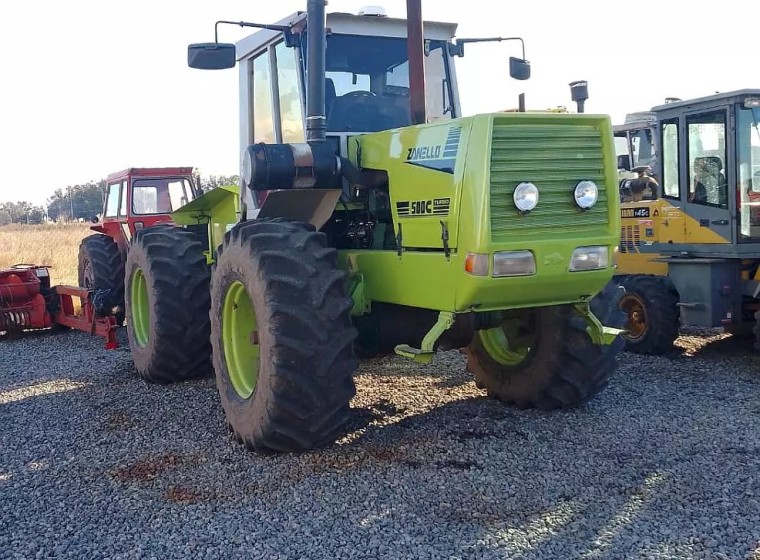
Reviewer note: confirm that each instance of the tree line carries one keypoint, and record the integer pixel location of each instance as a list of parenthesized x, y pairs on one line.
[(81, 202)]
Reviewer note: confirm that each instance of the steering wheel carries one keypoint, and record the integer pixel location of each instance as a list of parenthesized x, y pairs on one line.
[(360, 93)]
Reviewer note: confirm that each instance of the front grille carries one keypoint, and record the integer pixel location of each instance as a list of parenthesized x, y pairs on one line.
[(630, 239), (555, 158)]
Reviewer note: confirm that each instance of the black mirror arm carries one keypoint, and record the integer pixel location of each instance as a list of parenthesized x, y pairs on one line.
[(458, 47), (283, 28)]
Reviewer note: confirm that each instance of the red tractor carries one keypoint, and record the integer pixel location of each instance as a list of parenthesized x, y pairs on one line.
[(28, 301), (136, 198)]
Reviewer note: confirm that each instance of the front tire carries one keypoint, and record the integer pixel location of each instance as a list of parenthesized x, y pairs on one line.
[(554, 364), (167, 303), (653, 318), (282, 336)]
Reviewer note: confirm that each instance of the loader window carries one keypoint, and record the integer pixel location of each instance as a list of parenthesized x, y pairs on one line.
[(707, 159), (112, 202), (748, 183), (671, 187)]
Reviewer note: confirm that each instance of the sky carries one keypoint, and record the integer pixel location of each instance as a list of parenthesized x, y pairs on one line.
[(92, 87)]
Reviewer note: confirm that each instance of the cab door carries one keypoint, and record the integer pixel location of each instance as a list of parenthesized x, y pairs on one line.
[(706, 178)]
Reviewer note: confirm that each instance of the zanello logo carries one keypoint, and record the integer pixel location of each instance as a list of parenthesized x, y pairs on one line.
[(441, 157), (432, 207)]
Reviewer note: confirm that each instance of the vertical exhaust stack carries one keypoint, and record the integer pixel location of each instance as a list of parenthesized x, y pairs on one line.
[(416, 47), (315, 71), (579, 93)]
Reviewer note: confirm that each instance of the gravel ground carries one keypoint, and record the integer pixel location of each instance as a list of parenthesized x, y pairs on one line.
[(95, 463)]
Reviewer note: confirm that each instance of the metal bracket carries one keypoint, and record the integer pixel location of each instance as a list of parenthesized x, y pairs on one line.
[(361, 305), (425, 354), (445, 239), (599, 334)]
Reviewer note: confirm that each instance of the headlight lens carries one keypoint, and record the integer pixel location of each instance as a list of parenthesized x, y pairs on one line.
[(525, 197), (589, 258), (586, 194), (513, 263)]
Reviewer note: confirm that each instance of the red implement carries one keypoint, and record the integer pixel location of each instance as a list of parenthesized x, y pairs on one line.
[(27, 301)]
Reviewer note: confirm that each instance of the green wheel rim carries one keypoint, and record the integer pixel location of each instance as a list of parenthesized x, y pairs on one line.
[(495, 342), (240, 339), (140, 308)]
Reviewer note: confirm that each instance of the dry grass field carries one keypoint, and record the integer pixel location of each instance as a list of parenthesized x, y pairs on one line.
[(56, 245)]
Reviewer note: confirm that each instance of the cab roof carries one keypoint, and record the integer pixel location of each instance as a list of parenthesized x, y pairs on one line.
[(715, 99), (149, 172), (349, 24)]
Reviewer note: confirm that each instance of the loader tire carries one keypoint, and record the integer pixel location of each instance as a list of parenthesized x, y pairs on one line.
[(167, 304), (101, 269), (653, 318), (562, 368), (282, 337)]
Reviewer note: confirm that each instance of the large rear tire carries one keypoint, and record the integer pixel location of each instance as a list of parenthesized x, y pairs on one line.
[(167, 303), (554, 364), (653, 318), (282, 336), (101, 269)]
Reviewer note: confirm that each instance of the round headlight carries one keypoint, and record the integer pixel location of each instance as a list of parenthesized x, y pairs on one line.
[(525, 197), (246, 167), (586, 194)]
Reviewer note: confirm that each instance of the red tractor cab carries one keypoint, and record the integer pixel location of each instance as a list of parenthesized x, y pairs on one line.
[(136, 198)]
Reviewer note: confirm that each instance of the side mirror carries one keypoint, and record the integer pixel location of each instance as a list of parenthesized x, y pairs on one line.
[(519, 68), (211, 56), (94, 219)]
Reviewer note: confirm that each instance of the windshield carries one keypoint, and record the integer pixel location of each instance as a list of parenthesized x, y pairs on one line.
[(748, 148), (160, 196), (367, 83), (642, 147)]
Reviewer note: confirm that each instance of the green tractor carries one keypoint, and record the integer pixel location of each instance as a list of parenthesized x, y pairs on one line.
[(372, 218)]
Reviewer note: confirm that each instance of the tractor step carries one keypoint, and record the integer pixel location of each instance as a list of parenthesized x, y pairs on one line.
[(424, 355)]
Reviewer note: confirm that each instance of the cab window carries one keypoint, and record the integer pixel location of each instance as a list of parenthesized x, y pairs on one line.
[(291, 113), (123, 203), (671, 187), (112, 201), (261, 93), (367, 83), (707, 159), (159, 196)]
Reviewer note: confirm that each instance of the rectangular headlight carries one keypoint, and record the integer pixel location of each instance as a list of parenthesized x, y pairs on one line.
[(589, 258), (513, 263)]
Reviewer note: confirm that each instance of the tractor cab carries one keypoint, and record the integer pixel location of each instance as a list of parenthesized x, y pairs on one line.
[(369, 83), (138, 198)]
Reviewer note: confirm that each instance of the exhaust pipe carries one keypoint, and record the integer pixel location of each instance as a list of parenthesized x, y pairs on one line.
[(579, 93), (415, 44), (315, 71)]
